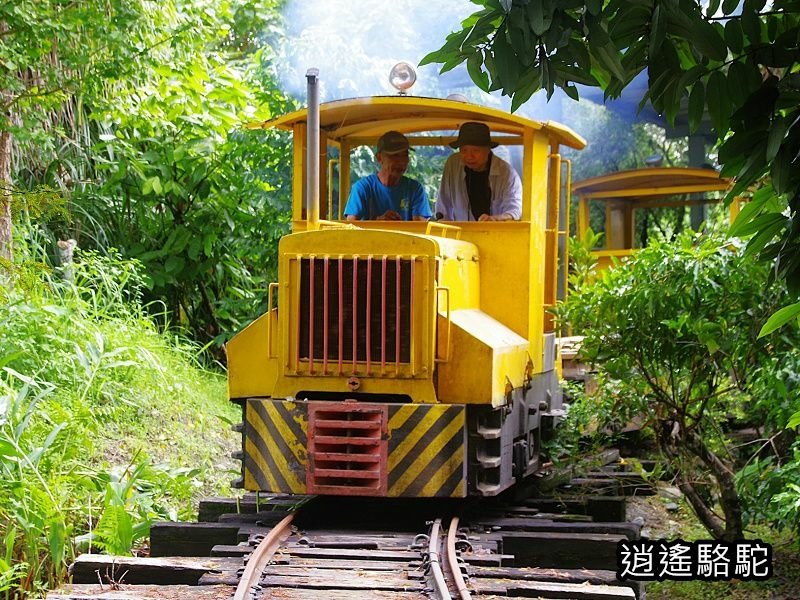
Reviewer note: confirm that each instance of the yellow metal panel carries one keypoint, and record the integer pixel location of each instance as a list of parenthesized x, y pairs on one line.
[(461, 276), (250, 371), (419, 390), (536, 271), (488, 356)]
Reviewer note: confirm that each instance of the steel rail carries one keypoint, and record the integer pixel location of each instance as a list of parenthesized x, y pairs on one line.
[(261, 557), (452, 561), (439, 584)]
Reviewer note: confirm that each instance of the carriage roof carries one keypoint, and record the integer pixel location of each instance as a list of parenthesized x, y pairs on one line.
[(649, 183), (363, 120)]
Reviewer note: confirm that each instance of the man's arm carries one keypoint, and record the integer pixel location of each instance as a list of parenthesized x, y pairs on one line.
[(446, 199), (420, 203), (356, 201)]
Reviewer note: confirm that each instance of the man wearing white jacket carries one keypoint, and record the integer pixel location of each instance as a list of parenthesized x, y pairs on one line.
[(478, 185)]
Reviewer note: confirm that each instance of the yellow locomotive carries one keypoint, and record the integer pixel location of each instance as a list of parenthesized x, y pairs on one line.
[(404, 358)]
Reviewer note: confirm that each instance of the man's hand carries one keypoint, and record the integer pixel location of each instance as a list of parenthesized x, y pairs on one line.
[(390, 215)]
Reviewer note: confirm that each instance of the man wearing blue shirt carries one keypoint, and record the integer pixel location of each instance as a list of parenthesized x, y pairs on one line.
[(389, 195)]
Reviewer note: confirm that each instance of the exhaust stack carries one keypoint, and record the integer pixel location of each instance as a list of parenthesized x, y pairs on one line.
[(312, 149)]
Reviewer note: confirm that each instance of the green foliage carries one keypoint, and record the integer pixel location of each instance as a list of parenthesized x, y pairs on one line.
[(582, 263), (595, 419), (32, 506), (771, 490), (677, 325), (780, 318), (739, 67), (147, 148), (95, 407)]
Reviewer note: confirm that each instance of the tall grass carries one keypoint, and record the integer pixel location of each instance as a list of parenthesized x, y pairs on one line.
[(106, 423)]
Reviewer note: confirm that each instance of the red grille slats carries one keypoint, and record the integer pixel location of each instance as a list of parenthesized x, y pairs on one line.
[(325, 297), (355, 313), (347, 448), (349, 457), (399, 306), (333, 423), (311, 289), (341, 315), (372, 474), (383, 315), (354, 310), (369, 314)]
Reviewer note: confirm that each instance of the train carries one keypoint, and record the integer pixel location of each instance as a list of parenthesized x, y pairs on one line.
[(405, 359)]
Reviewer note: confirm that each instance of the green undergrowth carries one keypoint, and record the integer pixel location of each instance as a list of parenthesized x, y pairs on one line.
[(783, 585), (106, 423)]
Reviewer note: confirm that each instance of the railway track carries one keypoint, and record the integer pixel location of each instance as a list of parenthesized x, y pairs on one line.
[(490, 556), (354, 548)]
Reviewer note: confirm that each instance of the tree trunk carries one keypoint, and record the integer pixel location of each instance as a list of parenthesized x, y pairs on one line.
[(729, 497), (6, 119), (6, 250), (690, 444)]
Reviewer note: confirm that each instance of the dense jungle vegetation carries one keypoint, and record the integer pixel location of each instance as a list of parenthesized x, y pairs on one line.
[(121, 129)]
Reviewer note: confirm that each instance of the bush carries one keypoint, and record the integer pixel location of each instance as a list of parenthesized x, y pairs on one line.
[(677, 326), (106, 423)]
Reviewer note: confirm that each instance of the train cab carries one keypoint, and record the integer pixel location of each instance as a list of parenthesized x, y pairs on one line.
[(404, 358)]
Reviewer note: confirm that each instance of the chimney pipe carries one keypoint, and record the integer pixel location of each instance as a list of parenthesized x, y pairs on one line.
[(312, 149)]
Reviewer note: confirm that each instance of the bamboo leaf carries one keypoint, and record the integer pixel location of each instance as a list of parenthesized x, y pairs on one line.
[(779, 319)]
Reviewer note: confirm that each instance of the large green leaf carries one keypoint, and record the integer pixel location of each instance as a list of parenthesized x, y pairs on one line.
[(657, 30), (707, 39), (696, 106), (718, 102), (780, 318), (734, 36)]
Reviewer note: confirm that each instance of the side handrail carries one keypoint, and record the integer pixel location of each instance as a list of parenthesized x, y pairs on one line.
[(440, 288), (444, 227), (567, 224), (331, 163), (272, 286)]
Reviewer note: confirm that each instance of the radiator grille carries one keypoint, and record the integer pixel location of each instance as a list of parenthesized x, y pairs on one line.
[(354, 310), (347, 448)]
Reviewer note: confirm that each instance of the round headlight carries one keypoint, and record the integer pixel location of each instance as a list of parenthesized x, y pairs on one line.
[(402, 77)]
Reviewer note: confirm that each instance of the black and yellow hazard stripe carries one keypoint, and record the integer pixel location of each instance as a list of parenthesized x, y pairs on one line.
[(427, 451), (275, 446)]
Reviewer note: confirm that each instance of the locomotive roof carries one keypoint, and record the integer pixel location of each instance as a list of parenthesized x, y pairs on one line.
[(650, 183), (358, 119)]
